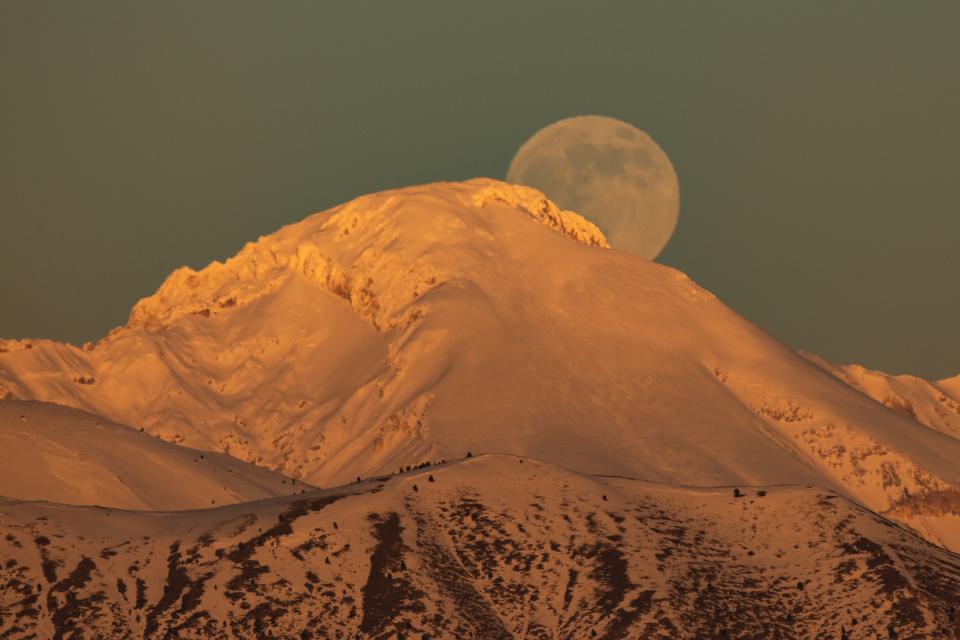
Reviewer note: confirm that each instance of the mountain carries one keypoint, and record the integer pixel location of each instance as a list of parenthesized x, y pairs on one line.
[(490, 547), (951, 386), (425, 322), (935, 404), (58, 454)]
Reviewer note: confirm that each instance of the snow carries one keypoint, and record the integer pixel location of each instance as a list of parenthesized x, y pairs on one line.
[(492, 547), (951, 386), (58, 454), (425, 322), (936, 405)]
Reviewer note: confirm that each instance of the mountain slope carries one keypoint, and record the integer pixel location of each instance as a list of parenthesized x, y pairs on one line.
[(425, 322), (951, 385), (935, 404), (54, 453), (492, 547)]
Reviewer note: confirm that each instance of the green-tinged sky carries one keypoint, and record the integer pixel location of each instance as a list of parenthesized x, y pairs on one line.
[(815, 142)]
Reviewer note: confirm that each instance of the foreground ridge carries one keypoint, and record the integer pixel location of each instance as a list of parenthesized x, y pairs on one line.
[(489, 547)]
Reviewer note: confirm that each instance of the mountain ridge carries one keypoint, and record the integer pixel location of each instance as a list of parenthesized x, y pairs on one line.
[(421, 323), (933, 404), (491, 547)]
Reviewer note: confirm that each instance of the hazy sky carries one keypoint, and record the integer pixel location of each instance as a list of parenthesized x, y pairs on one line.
[(816, 143)]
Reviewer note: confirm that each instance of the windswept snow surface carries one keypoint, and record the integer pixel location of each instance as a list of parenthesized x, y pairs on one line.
[(54, 453), (491, 547), (425, 322)]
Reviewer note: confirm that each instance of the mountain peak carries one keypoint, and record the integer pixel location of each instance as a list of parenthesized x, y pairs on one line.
[(341, 249), (951, 384), (426, 322)]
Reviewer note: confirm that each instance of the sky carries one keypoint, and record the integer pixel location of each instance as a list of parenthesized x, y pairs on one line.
[(815, 143)]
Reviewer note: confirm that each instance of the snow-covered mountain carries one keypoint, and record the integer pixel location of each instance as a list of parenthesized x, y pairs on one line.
[(491, 547), (935, 404), (58, 454), (426, 322), (951, 385)]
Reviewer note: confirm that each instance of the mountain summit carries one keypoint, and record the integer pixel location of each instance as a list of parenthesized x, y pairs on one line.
[(422, 323)]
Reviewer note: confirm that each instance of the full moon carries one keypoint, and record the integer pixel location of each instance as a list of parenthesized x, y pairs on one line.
[(608, 171)]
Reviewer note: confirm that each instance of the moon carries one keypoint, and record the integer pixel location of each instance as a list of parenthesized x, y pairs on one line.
[(608, 171)]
